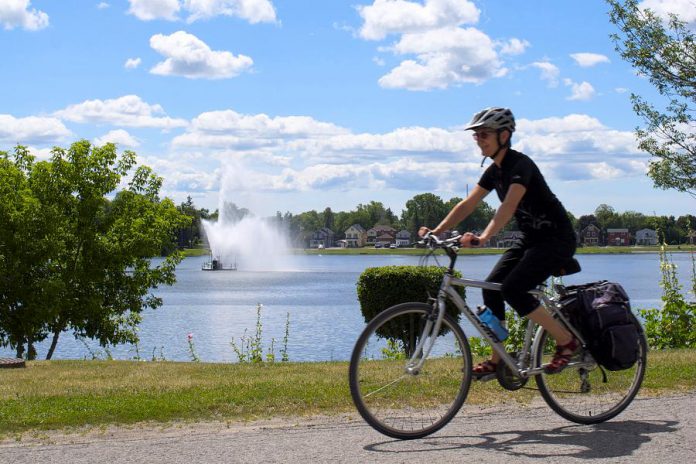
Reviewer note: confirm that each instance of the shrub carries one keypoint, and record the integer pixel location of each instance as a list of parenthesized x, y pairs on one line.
[(382, 287)]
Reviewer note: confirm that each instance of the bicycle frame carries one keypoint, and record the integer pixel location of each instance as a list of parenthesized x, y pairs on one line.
[(520, 367)]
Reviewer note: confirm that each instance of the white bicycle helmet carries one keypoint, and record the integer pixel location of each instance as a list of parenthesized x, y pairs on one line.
[(495, 118)]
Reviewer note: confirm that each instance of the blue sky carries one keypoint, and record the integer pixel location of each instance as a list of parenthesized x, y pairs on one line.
[(292, 105)]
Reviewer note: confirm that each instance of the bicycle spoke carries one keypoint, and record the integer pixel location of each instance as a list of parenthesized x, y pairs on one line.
[(386, 386), (402, 404), (586, 393)]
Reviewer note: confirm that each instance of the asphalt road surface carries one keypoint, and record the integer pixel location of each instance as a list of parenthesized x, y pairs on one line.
[(657, 430)]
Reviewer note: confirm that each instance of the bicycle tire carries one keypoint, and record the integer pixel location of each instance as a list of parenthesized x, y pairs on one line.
[(584, 397), (394, 402)]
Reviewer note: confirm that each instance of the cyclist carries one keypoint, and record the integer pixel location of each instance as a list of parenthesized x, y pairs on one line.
[(547, 242)]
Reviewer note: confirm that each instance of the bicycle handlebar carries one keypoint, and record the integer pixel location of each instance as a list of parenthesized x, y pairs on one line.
[(432, 241)]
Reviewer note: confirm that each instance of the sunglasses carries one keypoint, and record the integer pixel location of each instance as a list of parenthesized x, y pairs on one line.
[(483, 135)]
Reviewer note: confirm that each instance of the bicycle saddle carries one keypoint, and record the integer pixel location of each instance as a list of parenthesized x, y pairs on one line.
[(572, 266)]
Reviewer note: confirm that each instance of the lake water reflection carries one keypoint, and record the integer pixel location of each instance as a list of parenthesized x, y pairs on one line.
[(319, 293)]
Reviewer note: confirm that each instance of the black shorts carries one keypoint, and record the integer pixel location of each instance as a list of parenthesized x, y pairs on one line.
[(522, 268)]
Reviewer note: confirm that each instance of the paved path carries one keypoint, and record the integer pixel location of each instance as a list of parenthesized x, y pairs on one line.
[(652, 430)]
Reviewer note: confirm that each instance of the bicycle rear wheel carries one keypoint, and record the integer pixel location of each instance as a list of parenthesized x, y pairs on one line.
[(589, 394), (407, 405)]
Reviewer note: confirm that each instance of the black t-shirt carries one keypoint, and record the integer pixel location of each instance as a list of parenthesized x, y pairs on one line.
[(540, 214)]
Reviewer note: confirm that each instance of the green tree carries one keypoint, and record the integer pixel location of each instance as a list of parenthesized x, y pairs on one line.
[(92, 272), (303, 225), (425, 209), (663, 51), (477, 220), (232, 214), (28, 231), (606, 217), (585, 220), (633, 221), (190, 235), (329, 219), (667, 229)]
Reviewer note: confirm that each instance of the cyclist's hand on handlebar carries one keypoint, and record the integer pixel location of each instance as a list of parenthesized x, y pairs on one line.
[(469, 240), (423, 231)]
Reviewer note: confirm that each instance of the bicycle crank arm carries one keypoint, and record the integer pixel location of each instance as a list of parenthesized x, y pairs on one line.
[(540, 370)]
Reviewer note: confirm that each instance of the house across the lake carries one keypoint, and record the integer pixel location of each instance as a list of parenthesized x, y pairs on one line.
[(618, 237), (356, 236), (403, 238), (589, 236), (646, 237), (322, 238)]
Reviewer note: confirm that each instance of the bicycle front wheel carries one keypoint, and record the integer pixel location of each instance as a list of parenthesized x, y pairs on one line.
[(588, 394), (396, 401)]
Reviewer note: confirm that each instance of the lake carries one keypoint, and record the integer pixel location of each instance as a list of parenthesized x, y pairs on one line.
[(319, 293)]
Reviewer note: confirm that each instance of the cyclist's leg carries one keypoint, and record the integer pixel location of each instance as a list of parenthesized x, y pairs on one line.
[(494, 299), (507, 262), (538, 261), (534, 268)]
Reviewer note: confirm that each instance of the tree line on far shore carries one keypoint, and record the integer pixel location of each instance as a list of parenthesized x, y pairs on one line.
[(425, 209)]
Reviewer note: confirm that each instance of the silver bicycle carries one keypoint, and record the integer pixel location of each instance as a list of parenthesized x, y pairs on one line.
[(410, 370)]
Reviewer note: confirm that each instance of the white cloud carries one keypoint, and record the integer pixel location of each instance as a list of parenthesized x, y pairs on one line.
[(302, 154), (404, 174), (120, 137), (188, 56), (444, 53), (148, 10), (684, 9), (514, 47), (444, 57), (570, 123), (254, 11), (261, 125), (129, 110), (132, 63), (575, 141), (402, 141), (229, 129), (549, 72), (580, 92), (386, 17), (16, 13), (621, 90), (183, 173), (587, 60), (32, 129), (103, 5)]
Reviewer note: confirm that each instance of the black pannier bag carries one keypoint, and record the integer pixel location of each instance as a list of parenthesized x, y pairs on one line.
[(602, 312)]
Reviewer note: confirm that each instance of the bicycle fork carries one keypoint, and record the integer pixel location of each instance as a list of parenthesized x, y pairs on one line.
[(428, 337)]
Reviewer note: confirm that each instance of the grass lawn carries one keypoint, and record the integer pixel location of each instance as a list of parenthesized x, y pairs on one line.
[(64, 394)]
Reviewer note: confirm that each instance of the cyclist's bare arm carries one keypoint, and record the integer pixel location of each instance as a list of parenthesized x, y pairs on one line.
[(462, 209), (504, 213)]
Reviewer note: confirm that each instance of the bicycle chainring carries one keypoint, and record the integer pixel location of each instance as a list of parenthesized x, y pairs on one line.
[(508, 379)]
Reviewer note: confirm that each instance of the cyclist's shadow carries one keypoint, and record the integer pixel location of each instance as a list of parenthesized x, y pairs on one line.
[(607, 440)]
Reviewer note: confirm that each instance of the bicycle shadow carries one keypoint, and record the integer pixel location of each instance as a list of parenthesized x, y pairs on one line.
[(607, 440)]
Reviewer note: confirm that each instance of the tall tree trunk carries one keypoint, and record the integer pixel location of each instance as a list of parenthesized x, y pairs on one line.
[(20, 350), (31, 351), (54, 342)]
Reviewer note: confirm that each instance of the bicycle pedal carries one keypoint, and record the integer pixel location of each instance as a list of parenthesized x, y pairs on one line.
[(485, 378)]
